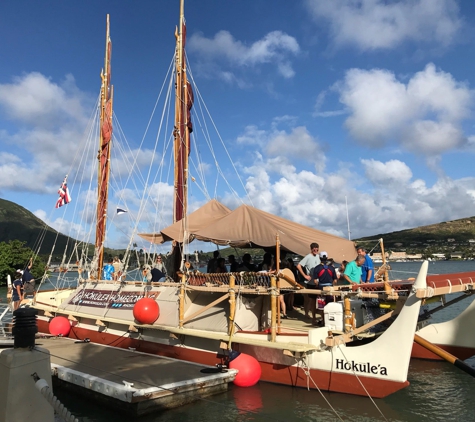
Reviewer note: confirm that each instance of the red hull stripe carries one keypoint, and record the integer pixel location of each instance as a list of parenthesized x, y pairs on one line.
[(461, 353)]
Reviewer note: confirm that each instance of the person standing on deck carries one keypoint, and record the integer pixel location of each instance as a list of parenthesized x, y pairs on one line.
[(246, 264), (213, 263), (352, 272), (117, 268), (305, 268), (28, 281), (221, 266), (108, 271), (17, 290), (233, 264), (367, 270), (324, 275)]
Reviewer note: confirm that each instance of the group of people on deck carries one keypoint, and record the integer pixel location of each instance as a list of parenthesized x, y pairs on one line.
[(23, 285), (112, 270), (315, 271), (157, 272)]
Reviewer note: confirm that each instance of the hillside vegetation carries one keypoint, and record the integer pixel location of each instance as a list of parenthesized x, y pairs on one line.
[(459, 232), (17, 223)]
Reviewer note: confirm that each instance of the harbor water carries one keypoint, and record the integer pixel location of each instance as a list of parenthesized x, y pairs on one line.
[(438, 390)]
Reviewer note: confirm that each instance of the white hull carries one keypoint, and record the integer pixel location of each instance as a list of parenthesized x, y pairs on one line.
[(456, 336)]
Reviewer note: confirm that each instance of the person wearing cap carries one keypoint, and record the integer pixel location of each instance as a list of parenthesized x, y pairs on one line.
[(324, 275), (305, 268), (367, 270), (17, 291), (352, 272)]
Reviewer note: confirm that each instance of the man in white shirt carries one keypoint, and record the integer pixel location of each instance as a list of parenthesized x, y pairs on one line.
[(305, 268)]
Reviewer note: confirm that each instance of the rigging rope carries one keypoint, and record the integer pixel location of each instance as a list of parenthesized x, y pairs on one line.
[(306, 371), (362, 385)]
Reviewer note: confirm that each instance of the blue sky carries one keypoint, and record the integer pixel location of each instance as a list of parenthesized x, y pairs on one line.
[(318, 102)]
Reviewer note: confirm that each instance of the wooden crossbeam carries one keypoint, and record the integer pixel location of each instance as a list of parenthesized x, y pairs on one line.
[(210, 305), (348, 337)]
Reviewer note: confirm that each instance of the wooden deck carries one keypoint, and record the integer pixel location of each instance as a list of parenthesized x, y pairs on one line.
[(129, 381)]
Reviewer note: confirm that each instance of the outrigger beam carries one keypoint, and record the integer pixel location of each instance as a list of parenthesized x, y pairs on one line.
[(444, 355)]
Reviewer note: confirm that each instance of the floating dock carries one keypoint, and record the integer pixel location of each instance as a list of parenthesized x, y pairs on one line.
[(129, 381)]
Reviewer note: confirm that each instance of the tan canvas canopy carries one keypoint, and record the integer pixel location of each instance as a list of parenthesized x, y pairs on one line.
[(249, 227), (202, 217)]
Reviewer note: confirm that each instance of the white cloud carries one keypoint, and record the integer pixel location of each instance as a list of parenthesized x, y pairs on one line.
[(34, 100), (423, 115), (252, 136), (379, 24), (273, 48), (51, 119), (319, 104), (395, 201), (63, 226), (393, 173), (299, 143)]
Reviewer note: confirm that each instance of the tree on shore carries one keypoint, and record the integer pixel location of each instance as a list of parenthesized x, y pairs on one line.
[(14, 255)]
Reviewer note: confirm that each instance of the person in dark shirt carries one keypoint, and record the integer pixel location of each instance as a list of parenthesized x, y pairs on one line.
[(247, 265), (28, 281), (221, 266), (213, 263), (324, 275), (17, 290), (233, 264), (157, 275)]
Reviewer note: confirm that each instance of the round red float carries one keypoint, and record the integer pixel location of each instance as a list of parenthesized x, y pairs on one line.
[(249, 370), (59, 326), (146, 311)]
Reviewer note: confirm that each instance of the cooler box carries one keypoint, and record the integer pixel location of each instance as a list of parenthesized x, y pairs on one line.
[(333, 316)]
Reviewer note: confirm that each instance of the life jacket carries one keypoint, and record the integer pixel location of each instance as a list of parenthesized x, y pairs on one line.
[(321, 272)]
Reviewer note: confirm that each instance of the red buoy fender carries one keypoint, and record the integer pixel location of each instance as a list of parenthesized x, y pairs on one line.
[(249, 370), (59, 326), (146, 311)]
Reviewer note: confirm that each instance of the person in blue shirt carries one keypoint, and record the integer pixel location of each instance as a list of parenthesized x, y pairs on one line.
[(367, 269), (108, 272)]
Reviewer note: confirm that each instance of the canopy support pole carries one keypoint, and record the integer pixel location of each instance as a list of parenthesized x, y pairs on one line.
[(232, 308), (273, 299), (182, 300)]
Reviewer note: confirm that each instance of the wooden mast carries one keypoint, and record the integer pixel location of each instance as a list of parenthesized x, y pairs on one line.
[(105, 136), (182, 125), (181, 133)]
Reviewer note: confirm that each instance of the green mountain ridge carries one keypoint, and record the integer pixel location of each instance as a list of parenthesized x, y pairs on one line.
[(453, 232), (17, 223)]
